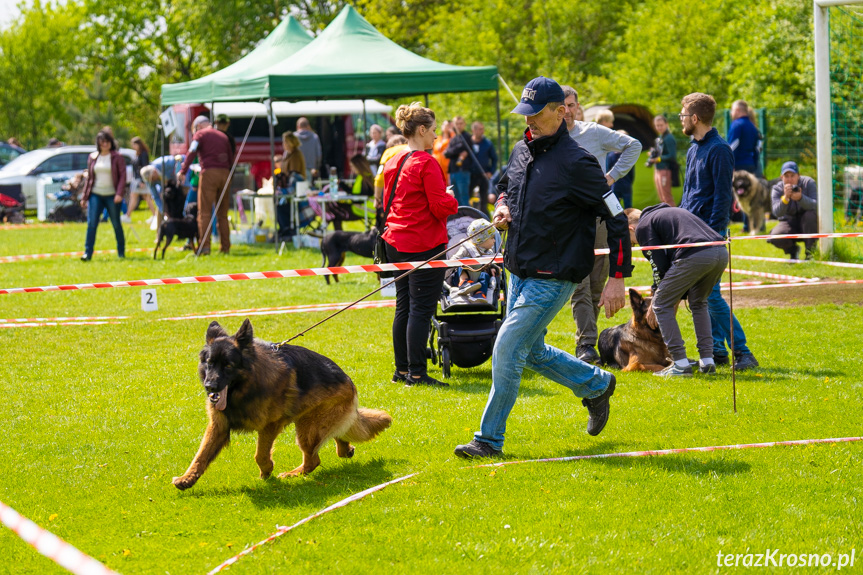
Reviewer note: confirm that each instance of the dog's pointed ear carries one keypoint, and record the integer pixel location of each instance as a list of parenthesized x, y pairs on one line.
[(245, 335), (215, 330), (635, 298)]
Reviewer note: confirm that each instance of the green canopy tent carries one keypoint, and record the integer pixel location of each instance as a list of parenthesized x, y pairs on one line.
[(349, 59)]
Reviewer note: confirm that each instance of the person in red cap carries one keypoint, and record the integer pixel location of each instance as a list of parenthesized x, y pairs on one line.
[(550, 199)]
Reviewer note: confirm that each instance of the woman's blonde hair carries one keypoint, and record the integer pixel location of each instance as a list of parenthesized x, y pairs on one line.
[(292, 139), (410, 118)]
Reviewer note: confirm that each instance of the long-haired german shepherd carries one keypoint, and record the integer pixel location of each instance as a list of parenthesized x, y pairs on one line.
[(254, 386), (634, 346)]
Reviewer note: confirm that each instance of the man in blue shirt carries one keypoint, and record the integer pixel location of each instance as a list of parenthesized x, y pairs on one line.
[(483, 165), (744, 138), (707, 194)]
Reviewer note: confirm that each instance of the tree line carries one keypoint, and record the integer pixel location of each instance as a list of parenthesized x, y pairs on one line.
[(68, 68)]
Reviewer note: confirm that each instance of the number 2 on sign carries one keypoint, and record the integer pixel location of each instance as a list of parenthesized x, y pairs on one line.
[(148, 300)]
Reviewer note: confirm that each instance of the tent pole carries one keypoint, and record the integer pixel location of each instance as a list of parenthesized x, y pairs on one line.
[(427, 100), (272, 128), (497, 108), (365, 126)]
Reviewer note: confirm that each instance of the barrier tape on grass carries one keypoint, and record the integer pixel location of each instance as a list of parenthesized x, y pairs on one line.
[(780, 277), (283, 530), (283, 310), (56, 323), (339, 270), (26, 257), (51, 546), (362, 494), (57, 319), (681, 450), (788, 261)]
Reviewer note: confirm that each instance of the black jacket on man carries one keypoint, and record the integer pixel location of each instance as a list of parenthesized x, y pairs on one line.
[(458, 144), (553, 189), (662, 225)]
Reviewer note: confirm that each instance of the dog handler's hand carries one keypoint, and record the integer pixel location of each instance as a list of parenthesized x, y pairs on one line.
[(501, 217), (650, 318), (613, 298)]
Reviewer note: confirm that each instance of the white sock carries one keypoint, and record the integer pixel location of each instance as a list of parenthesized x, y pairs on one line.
[(706, 361), (681, 362)]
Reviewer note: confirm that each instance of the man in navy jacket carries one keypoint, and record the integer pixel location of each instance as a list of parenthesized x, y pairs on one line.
[(707, 194), (549, 199)]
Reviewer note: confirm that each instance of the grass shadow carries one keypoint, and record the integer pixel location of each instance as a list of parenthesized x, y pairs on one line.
[(323, 487), (680, 464), (483, 389), (785, 372)]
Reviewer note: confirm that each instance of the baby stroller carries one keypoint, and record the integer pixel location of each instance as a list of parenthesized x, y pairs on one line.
[(463, 330), (11, 210), (67, 207)]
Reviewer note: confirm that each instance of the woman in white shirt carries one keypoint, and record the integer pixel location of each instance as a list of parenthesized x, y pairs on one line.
[(106, 184)]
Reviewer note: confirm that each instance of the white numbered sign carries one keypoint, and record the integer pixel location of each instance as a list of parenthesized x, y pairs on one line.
[(148, 300)]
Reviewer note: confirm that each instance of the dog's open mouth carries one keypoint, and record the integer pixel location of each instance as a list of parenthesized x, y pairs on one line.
[(741, 191), (219, 399)]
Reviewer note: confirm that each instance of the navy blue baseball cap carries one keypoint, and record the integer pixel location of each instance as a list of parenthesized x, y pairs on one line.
[(789, 167), (538, 92)]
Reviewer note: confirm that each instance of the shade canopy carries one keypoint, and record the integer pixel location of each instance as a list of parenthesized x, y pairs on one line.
[(349, 59), (288, 38)]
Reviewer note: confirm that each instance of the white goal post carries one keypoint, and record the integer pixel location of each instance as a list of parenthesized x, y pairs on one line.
[(823, 132)]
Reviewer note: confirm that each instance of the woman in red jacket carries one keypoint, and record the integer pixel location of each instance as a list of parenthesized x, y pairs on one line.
[(415, 231), (106, 184)]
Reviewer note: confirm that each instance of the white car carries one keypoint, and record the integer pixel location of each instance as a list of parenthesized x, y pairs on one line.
[(18, 178)]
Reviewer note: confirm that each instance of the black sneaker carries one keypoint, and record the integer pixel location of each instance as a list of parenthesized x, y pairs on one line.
[(720, 359), (399, 377), (709, 369), (745, 361), (587, 354), (598, 408), (424, 379), (477, 449)]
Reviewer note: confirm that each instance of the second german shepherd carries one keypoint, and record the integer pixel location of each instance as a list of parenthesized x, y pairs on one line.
[(634, 346), (255, 386)]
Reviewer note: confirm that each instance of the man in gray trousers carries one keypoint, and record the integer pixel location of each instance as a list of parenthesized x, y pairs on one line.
[(598, 141), (679, 273)]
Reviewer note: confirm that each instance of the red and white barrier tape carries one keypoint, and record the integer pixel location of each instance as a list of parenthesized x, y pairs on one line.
[(403, 266), (283, 530), (283, 310), (681, 450), (788, 261), (28, 226), (56, 323), (26, 257), (60, 319), (51, 546)]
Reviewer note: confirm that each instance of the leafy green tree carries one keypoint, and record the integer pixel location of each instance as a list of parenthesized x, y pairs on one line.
[(39, 68)]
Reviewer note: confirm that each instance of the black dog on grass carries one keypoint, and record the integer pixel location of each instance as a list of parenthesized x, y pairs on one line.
[(336, 244), (176, 223)]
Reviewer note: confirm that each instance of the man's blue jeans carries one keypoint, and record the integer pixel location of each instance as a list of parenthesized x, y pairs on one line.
[(461, 187), (95, 205), (720, 314), (531, 305)]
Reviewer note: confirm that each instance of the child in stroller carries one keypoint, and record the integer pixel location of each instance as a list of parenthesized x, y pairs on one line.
[(475, 283)]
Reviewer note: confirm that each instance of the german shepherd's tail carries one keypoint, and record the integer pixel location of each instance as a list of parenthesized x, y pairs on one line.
[(368, 424)]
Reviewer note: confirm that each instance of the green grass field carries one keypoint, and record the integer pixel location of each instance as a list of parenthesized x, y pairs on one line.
[(96, 420)]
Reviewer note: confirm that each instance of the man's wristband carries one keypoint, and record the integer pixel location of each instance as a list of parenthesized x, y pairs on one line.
[(785, 200)]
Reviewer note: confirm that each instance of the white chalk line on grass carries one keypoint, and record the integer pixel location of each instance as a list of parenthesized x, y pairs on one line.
[(362, 494), (51, 546)]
